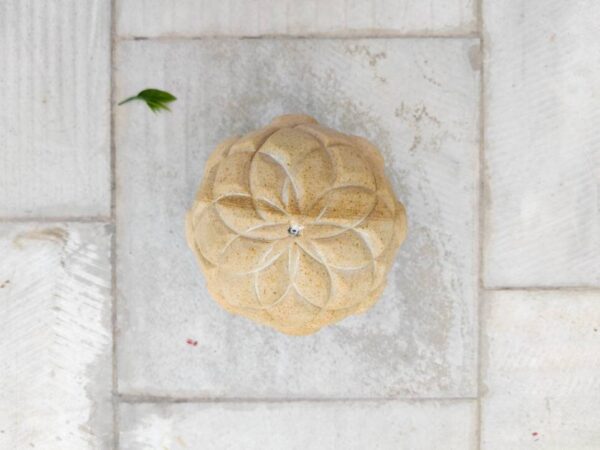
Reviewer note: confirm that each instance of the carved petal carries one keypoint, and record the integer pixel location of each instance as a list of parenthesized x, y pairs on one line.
[(273, 282), (267, 181), (311, 279), (292, 311), (247, 255), (238, 289), (352, 167), (327, 136), (378, 228), (251, 142), (211, 234), (232, 175), (345, 206), (312, 176), (238, 213), (347, 250), (350, 287), (289, 146)]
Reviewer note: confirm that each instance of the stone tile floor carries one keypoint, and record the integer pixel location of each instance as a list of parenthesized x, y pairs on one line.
[(487, 335)]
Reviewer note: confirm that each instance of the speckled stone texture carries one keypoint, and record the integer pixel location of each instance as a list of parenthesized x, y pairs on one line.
[(295, 225)]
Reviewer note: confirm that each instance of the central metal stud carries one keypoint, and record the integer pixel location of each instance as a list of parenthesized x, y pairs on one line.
[(294, 230)]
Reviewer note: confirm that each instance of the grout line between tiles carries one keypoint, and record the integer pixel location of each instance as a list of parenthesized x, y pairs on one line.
[(474, 35), (481, 222), (128, 398), (592, 289), (50, 219), (113, 196)]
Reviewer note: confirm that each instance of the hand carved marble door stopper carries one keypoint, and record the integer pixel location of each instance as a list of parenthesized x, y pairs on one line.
[(295, 225)]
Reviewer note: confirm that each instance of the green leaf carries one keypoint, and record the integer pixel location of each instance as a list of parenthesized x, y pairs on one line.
[(155, 99)]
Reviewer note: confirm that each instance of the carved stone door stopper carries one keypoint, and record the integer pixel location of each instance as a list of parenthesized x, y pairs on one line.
[(295, 225)]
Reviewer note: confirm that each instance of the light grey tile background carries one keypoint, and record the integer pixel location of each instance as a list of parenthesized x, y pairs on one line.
[(55, 336), (540, 370), (417, 100), (413, 87), (294, 17), (542, 143), (55, 118), (423, 425)]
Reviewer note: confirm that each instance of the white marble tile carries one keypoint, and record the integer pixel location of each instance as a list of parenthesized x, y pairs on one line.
[(542, 143), (55, 118), (416, 99), (292, 17), (55, 337), (350, 425), (541, 363)]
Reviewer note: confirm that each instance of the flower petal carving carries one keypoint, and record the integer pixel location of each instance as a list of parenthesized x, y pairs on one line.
[(311, 278), (327, 186), (270, 285)]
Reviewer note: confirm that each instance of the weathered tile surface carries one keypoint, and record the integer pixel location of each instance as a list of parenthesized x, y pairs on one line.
[(417, 99), (55, 337), (542, 143), (54, 124), (291, 17), (541, 371), (301, 426)]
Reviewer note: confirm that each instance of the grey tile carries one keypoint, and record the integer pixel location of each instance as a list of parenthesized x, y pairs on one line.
[(540, 372), (55, 120), (542, 143), (416, 99), (289, 17), (55, 336), (422, 425)]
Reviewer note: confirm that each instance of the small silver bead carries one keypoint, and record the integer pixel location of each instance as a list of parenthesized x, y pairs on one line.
[(294, 230)]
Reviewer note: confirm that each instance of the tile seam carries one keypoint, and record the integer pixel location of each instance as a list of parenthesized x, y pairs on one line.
[(135, 399), (295, 37), (54, 219), (481, 222), (113, 187), (582, 288)]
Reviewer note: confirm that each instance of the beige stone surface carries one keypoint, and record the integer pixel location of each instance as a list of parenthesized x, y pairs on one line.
[(295, 225)]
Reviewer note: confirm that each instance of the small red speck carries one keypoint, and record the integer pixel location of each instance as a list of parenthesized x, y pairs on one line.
[(192, 342), (535, 433)]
